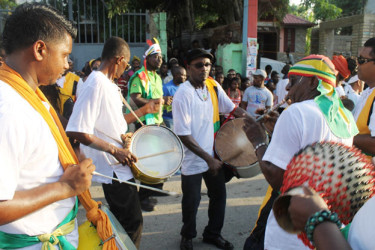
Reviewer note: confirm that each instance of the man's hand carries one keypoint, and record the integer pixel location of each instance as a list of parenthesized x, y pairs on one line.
[(78, 177), (168, 100), (269, 121), (124, 156), (302, 206), (153, 106), (214, 165), (254, 131), (126, 140)]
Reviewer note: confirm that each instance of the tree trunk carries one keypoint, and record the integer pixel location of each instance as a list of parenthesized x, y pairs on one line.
[(186, 15)]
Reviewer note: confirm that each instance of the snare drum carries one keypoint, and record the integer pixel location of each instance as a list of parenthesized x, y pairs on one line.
[(235, 150), (159, 152)]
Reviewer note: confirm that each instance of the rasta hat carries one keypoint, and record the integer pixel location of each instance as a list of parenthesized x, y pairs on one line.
[(315, 65), (153, 49), (341, 66), (339, 119), (197, 53), (341, 175)]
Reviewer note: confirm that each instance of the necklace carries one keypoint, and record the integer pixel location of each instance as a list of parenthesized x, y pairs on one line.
[(202, 93)]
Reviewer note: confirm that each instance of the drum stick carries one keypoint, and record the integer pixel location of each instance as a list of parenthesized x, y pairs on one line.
[(150, 155), (156, 154), (269, 111), (131, 110), (136, 184)]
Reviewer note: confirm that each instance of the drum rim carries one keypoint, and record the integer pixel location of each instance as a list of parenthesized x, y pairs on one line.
[(225, 162), (180, 144)]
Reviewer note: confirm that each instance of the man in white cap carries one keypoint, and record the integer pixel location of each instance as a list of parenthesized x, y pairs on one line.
[(257, 98), (353, 89)]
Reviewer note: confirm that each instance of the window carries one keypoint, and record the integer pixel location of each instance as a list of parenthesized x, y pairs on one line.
[(289, 39)]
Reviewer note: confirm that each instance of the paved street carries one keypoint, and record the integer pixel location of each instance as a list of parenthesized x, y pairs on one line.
[(162, 226)]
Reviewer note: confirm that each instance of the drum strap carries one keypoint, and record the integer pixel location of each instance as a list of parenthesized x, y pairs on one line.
[(12, 241)]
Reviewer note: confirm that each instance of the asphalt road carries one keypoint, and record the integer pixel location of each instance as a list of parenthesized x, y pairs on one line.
[(161, 228)]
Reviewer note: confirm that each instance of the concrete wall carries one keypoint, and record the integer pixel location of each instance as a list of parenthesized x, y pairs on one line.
[(81, 52)]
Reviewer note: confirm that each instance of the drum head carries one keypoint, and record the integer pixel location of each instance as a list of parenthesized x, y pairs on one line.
[(152, 140), (232, 145)]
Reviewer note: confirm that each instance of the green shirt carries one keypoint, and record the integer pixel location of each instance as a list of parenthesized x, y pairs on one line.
[(135, 86)]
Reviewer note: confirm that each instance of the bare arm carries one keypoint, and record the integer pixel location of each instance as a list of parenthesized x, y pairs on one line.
[(124, 156), (153, 106), (75, 180), (193, 145), (326, 234), (243, 105), (256, 134), (138, 99), (365, 142)]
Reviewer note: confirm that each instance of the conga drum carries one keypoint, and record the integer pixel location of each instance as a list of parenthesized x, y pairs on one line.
[(159, 152), (235, 150)]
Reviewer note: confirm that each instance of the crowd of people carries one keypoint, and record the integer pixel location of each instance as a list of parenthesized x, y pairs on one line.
[(317, 99)]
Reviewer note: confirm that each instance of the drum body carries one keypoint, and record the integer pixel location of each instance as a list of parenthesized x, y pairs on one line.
[(151, 140), (234, 149)]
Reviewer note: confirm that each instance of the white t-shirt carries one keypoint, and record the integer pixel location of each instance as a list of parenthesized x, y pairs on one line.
[(257, 98), (193, 116), (281, 91), (351, 94), (340, 91), (359, 106), (98, 111), (298, 126), (28, 159), (361, 231)]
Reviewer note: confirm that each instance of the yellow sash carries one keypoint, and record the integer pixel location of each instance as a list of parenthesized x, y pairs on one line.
[(66, 91), (211, 84), (364, 115), (66, 152)]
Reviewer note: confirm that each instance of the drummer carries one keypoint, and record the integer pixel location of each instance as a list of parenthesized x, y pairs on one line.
[(316, 114), (97, 122), (195, 108), (37, 198)]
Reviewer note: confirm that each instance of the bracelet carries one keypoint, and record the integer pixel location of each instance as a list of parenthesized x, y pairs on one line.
[(260, 145), (317, 218)]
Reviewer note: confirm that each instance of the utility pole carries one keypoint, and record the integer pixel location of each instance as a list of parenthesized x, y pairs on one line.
[(249, 37)]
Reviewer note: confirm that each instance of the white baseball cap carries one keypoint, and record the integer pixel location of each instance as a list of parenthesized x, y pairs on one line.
[(260, 72), (353, 79)]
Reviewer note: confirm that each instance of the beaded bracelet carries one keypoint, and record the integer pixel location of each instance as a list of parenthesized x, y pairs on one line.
[(260, 145), (317, 218)]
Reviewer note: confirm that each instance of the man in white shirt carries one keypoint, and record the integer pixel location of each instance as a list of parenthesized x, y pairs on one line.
[(364, 111), (307, 120), (195, 108), (97, 122), (37, 198), (257, 98), (353, 89)]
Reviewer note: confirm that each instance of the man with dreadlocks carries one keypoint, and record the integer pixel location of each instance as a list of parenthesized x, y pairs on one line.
[(316, 114), (146, 85)]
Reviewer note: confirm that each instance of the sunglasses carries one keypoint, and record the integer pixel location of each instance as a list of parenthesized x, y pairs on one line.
[(201, 65), (362, 60), (128, 67)]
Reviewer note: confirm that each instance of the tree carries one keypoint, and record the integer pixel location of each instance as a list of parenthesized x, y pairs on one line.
[(7, 4), (322, 10), (350, 7)]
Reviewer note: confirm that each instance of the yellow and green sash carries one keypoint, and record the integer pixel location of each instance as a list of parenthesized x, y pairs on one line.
[(67, 156), (212, 89)]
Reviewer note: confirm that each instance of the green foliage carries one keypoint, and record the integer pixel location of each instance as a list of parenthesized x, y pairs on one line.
[(350, 7), (322, 10), (7, 4)]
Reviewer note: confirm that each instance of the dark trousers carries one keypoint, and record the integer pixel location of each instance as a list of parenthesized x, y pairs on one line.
[(124, 203), (191, 189)]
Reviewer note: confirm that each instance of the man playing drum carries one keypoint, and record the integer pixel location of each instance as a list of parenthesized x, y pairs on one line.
[(97, 122), (195, 109), (37, 198), (316, 114), (144, 86)]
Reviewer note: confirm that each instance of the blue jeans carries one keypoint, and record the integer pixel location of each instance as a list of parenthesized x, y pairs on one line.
[(168, 123), (191, 189)]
